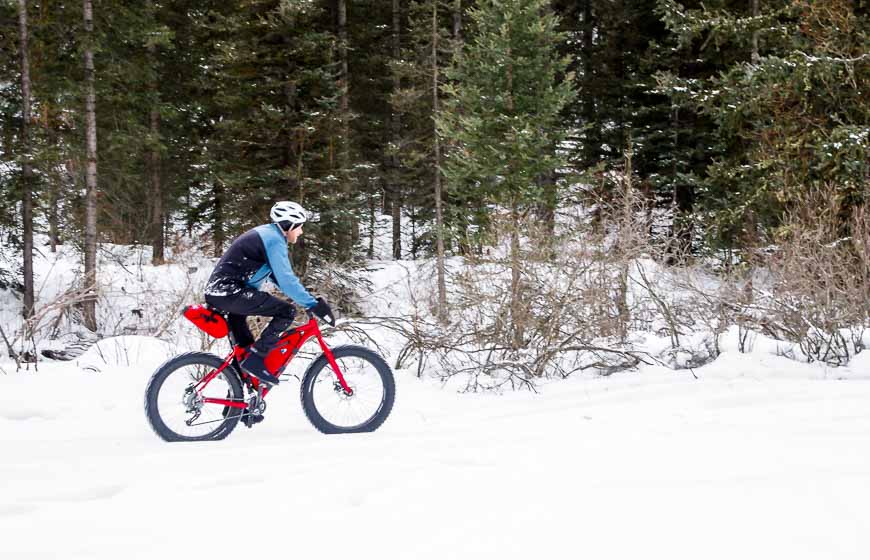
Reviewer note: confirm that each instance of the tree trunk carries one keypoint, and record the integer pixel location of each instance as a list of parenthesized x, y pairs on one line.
[(63, 181), (436, 149), (682, 204), (218, 220), (372, 224), (90, 303), (348, 228), (53, 237), (548, 206), (412, 219), (189, 216), (627, 243), (26, 165), (396, 210), (755, 13), (344, 86), (457, 20), (157, 253), (592, 143), (517, 315), (395, 123)]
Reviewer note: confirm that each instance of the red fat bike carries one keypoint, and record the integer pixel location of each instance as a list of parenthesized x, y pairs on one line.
[(198, 396)]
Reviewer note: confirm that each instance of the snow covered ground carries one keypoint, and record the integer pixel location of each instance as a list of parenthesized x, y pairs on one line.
[(752, 456), (760, 457)]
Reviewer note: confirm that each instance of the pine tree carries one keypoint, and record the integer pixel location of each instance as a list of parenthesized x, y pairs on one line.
[(393, 191), (427, 52), (156, 147), (616, 48), (58, 141), (268, 101), (502, 110), (10, 91), (374, 32), (791, 111)]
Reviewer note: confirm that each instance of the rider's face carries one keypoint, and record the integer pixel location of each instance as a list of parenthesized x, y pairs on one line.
[(293, 234)]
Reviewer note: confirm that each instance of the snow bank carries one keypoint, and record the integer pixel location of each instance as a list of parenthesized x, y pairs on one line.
[(126, 351)]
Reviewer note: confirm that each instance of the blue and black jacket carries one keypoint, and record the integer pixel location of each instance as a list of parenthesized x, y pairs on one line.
[(254, 256)]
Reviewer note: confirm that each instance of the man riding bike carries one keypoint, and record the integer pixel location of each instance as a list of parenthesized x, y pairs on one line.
[(256, 255)]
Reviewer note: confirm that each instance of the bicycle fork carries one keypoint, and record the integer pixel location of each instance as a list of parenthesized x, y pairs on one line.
[(334, 365)]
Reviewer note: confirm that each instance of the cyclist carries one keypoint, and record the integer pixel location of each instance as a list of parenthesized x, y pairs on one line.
[(256, 255)]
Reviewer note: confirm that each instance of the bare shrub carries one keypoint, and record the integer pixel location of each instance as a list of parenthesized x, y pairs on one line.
[(656, 286), (565, 304), (132, 298), (48, 321), (343, 287), (818, 296), (584, 292)]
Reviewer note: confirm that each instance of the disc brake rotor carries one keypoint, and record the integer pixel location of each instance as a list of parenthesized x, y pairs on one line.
[(339, 390)]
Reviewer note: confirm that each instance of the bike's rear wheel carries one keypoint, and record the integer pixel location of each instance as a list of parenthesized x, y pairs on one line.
[(176, 411), (330, 409)]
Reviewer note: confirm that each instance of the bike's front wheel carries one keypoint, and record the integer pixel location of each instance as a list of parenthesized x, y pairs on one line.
[(331, 409), (178, 409)]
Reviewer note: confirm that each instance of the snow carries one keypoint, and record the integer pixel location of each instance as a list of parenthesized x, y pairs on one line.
[(750, 456), (758, 457), (124, 351)]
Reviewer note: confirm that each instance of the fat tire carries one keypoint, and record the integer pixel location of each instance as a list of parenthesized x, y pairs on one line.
[(314, 369), (190, 358)]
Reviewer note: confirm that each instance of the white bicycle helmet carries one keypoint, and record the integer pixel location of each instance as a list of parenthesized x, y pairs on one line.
[(288, 214)]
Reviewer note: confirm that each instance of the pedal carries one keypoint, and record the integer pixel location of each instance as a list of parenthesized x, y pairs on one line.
[(250, 419), (254, 412)]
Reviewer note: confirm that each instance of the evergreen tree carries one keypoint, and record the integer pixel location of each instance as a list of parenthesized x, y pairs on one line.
[(370, 27), (393, 199), (791, 113), (269, 98), (428, 50), (502, 106), (10, 103), (616, 48), (58, 140), (502, 110)]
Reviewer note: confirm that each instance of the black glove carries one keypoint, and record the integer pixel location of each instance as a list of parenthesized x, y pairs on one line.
[(322, 310)]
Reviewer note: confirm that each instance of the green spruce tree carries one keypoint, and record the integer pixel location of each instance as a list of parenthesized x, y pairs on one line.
[(501, 113), (790, 110)]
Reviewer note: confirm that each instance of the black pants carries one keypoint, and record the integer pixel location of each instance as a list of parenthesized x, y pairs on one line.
[(251, 301)]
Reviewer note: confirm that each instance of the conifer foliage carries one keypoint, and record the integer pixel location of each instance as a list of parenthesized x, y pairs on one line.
[(501, 113), (161, 118), (790, 110), (502, 105)]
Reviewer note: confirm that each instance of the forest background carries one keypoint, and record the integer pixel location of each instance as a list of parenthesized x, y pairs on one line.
[(559, 149)]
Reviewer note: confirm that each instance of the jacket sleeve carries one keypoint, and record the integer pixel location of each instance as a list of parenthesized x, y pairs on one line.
[(279, 262)]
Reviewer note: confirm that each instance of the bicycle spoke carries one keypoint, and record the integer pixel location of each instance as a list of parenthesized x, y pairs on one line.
[(178, 404), (346, 411)]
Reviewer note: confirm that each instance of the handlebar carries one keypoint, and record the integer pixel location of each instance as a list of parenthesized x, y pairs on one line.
[(330, 319)]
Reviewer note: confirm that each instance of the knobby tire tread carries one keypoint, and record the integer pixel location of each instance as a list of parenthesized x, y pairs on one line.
[(348, 350), (160, 375)]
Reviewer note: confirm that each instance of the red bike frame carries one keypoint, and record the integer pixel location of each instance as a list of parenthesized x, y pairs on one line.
[(276, 361)]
